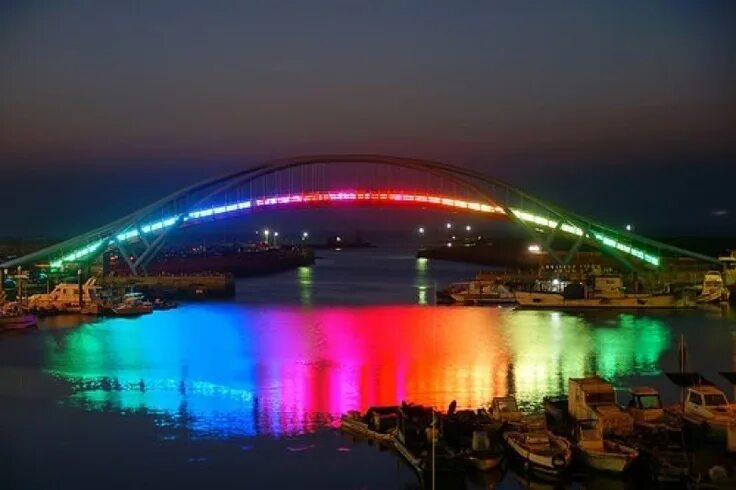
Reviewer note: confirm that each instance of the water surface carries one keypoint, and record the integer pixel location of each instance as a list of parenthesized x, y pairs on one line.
[(247, 393)]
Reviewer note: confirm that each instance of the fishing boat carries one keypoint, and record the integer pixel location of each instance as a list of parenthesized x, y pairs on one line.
[(540, 451), (68, 298), (132, 304), (601, 291), (473, 436), (600, 453), (483, 290), (419, 441), (505, 409), (713, 289), (645, 407), (558, 417), (705, 411), (593, 398), (12, 317), (378, 423), (164, 304)]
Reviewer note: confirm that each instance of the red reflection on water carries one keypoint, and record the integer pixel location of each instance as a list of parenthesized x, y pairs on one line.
[(331, 360)]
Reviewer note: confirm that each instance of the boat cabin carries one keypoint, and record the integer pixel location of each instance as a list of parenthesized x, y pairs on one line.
[(645, 405), (66, 295), (728, 263), (593, 398), (505, 409), (705, 398)]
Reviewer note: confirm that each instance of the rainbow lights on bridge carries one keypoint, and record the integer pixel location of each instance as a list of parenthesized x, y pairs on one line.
[(349, 196)]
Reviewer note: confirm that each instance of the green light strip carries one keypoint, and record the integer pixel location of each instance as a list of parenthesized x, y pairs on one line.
[(574, 230)]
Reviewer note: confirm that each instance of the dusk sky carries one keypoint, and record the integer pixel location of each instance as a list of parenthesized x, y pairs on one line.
[(619, 110)]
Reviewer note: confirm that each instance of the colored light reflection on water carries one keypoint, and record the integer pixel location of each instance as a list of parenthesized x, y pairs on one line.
[(228, 369)]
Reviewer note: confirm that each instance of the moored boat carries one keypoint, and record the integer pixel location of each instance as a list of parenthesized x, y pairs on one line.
[(483, 290), (713, 289), (603, 291), (540, 451), (600, 453), (378, 423), (132, 304), (164, 304), (12, 317), (474, 436)]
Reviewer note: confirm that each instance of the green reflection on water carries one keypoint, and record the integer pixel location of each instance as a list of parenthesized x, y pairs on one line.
[(548, 348), (304, 277)]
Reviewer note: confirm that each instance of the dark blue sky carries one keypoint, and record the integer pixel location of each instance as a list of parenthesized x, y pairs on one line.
[(614, 109)]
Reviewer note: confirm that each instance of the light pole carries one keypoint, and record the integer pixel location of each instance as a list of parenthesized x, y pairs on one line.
[(305, 235), (275, 236), (265, 233)]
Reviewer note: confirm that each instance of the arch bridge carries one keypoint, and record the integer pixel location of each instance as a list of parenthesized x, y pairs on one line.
[(319, 180)]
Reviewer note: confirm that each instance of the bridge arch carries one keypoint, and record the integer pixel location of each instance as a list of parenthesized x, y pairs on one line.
[(232, 193)]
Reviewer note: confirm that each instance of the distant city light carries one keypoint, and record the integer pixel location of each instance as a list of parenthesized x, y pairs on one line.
[(534, 248), (338, 239), (275, 233), (453, 237), (467, 228), (305, 235), (555, 281), (421, 230), (449, 225), (449, 244), (266, 232), (629, 227)]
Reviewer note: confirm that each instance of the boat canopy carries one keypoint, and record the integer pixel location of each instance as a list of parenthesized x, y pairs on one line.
[(686, 380)]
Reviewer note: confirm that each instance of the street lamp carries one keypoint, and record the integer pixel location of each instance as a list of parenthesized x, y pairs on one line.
[(266, 232), (467, 228), (305, 235), (629, 227), (275, 236), (421, 230), (448, 226)]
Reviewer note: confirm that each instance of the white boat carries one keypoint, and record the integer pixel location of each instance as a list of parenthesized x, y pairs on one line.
[(132, 304), (65, 298), (713, 289), (539, 450), (600, 453), (481, 290), (593, 398), (12, 317), (706, 412), (603, 291)]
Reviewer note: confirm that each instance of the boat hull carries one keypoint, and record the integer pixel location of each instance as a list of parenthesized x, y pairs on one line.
[(558, 301), (606, 461), (550, 465), (18, 322)]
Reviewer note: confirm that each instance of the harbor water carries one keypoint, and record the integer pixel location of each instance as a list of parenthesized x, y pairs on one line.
[(247, 393)]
